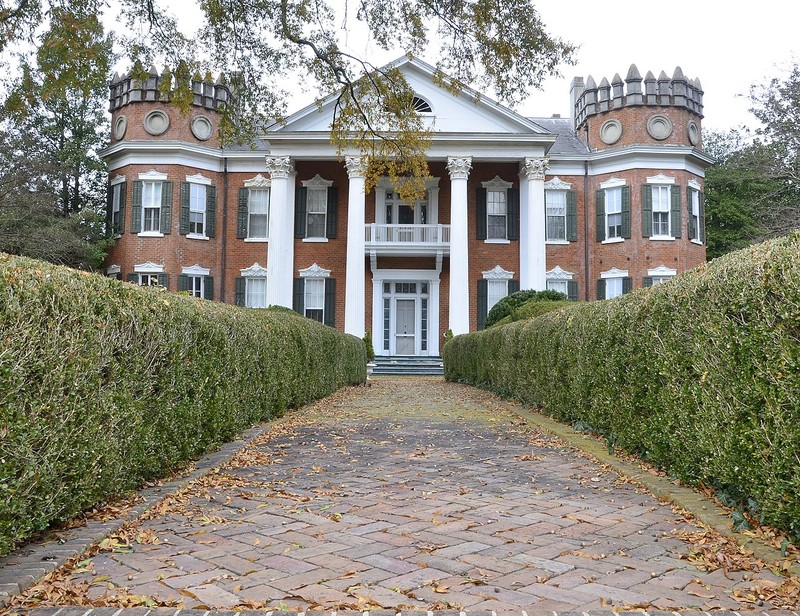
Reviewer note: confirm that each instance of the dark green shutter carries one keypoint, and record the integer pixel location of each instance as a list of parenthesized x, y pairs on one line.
[(299, 295), (208, 287), (600, 207), (133, 277), (572, 216), (241, 214), (123, 196), (136, 207), (183, 225), (675, 223), (480, 213), (647, 282), (483, 300), (627, 284), (702, 199), (333, 207), (109, 210), (601, 289), (163, 280), (626, 212), (512, 220), (330, 301), (183, 282), (513, 286), (301, 201), (211, 210), (241, 286), (647, 210), (691, 225), (166, 208), (572, 290)]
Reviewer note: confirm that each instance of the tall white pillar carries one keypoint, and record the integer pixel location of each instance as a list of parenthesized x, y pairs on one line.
[(532, 254), (459, 253), (280, 251), (354, 319)]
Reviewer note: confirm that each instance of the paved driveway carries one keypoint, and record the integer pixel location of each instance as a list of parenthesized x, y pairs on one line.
[(409, 494)]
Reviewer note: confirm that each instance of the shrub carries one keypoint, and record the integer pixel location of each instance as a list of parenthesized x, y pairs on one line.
[(106, 385), (701, 375), (370, 350), (510, 303), (533, 309)]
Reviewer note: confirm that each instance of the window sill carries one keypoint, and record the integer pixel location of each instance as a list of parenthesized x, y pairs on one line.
[(698, 242), (195, 236), (614, 240), (557, 242), (315, 240), (117, 236), (497, 241), (256, 240), (662, 238), (150, 234)]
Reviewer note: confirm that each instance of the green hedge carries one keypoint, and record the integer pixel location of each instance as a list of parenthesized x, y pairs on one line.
[(533, 309), (105, 385), (700, 375), (510, 303)]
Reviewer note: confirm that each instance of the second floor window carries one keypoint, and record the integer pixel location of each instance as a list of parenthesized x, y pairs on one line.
[(258, 213), (613, 213), (151, 206), (556, 224), (316, 212), (496, 210)]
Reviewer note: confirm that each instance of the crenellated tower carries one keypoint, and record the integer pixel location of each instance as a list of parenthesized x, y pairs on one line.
[(636, 111)]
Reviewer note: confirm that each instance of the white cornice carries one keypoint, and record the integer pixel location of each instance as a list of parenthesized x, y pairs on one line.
[(258, 182), (613, 183), (558, 274), (614, 273), (117, 180), (315, 271), (196, 270), (660, 179), (498, 273), (254, 270), (317, 182), (662, 270), (497, 183), (153, 175), (694, 184), (557, 183), (148, 268), (199, 178)]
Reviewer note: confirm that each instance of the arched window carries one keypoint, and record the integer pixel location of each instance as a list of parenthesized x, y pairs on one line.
[(420, 105)]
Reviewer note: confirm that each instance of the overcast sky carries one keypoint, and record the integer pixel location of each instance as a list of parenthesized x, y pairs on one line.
[(728, 44)]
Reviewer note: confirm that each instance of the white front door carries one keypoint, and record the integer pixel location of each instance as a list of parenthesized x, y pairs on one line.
[(405, 326)]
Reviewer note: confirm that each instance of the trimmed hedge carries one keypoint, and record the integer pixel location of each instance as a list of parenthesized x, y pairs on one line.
[(105, 385), (507, 305), (533, 309), (700, 375)]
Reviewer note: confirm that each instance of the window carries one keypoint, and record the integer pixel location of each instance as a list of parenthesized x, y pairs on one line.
[(613, 283), (561, 280), (614, 213), (256, 292), (315, 299), (251, 287), (314, 294), (148, 275), (696, 206), (659, 275), (316, 211), (496, 284), (151, 207), (661, 210), (613, 209), (197, 210), (497, 290), (258, 213), (497, 211), (556, 206), (496, 214), (117, 196), (557, 285), (196, 281)]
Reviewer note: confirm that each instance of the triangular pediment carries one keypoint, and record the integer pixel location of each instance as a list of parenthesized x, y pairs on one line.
[(465, 112)]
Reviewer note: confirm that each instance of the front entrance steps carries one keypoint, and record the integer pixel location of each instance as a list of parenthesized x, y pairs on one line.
[(403, 365)]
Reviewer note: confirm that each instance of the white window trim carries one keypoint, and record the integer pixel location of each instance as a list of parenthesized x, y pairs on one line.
[(199, 178), (497, 273), (552, 186), (614, 273), (113, 270), (613, 183), (150, 234), (694, 184), (254, 271), (497, 184), (613, 240), (197, 236), (315, 240), (558, 274), (314, 271), (258, 181), (117, 180), (148, 268), (662, 271), (321, 184), (256, 240), (661, 179), (196, 270), (497, 241), (556, 183), (153, 176)]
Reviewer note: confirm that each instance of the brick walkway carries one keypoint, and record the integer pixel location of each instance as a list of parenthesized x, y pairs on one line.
[(408, 495)]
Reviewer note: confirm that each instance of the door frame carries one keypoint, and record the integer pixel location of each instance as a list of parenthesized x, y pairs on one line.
[(393, 334)]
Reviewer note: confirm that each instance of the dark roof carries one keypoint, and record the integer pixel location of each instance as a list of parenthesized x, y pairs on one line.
[(567, 141)]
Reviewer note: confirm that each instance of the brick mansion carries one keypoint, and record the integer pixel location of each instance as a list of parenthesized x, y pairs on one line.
[(594, 205)]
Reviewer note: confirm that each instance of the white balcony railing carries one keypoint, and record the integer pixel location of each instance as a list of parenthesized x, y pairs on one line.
[(421, 236)]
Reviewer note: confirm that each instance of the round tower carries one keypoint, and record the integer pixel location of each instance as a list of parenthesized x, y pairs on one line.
[(636, 111), (146, 109)]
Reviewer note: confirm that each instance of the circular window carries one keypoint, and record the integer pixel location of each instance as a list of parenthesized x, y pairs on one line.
[(610, 131), (156, 122), (201, 127), (659, 127), (694, 133), (120, 126)]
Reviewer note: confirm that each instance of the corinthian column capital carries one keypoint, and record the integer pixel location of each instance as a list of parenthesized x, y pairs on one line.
[(356, 166), (459, 167), (279, 166), (534, 168)]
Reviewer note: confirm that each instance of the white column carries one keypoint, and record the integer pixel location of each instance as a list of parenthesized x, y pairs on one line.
[(459, 258), (433, 318), (354, 319), (533, 258), (280, 251)]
